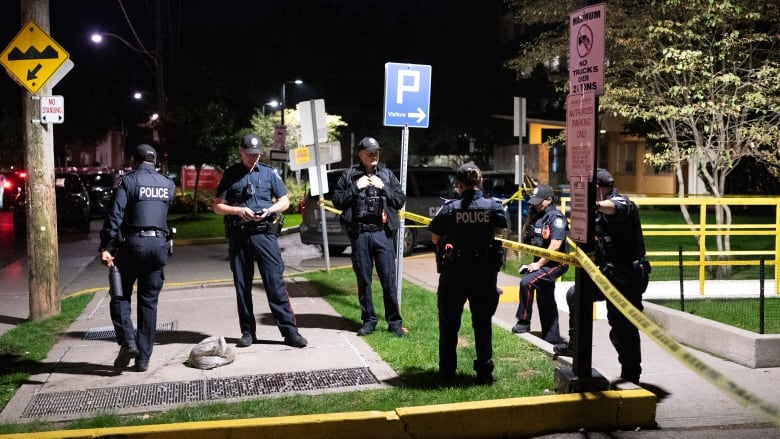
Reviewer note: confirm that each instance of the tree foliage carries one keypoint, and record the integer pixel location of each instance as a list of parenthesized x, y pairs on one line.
[(700, 77)]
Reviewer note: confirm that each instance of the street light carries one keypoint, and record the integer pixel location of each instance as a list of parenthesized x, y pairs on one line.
[(284, 90), (153, 56), (272, 104)]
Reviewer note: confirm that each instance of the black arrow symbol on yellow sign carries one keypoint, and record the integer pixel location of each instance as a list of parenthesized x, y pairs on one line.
[(33, 74)]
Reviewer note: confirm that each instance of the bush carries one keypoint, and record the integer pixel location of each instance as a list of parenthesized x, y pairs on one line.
[(184, 201), (296, 193)]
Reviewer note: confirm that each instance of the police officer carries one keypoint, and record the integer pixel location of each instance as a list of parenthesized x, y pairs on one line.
[(620, 255), (464, 231), (369, 196), (134, 239), (252, 197), (546, 228)]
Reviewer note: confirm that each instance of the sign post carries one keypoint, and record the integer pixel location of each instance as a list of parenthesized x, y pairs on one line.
[(586, 82), (407, 104)]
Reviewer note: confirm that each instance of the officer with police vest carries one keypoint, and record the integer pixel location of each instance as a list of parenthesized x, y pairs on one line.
[(469, 256), (135, 239), (369, 196), (546, 228), (253, 197), (620, 256)]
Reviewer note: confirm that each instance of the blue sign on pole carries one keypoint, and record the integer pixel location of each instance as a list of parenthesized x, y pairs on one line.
[(407, 95)]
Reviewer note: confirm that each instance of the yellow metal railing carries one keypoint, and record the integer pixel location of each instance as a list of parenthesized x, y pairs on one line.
[(705, 227)]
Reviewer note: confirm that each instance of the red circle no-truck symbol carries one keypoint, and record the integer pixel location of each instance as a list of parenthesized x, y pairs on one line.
[(584, 40)]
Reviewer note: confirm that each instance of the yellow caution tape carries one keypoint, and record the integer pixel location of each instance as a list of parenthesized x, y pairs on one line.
[(670, 345)]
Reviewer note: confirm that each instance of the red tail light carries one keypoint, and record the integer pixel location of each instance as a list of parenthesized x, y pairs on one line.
[(302, 205)]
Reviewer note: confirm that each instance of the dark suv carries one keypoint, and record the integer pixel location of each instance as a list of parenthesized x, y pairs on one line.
[(72, 201), (426, 190)]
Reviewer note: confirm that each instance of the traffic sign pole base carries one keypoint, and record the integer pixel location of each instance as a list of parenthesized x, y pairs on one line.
[(567, 382)]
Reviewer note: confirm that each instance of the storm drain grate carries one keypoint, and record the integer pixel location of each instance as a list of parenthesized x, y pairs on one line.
[(107, 332), (180, 392)]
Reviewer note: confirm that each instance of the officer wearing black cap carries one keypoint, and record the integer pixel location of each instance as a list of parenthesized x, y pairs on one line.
[(546, 227), (253, 197), (464, 231), (620, 255), (369, 196), (134, 239)]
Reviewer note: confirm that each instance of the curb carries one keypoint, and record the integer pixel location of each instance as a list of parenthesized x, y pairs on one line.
[(515, 417)]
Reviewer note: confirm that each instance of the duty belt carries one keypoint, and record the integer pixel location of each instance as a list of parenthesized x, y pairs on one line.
[(151, 233), (369, 227)]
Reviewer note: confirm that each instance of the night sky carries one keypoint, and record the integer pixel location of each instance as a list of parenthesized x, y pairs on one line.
[(244, 50)]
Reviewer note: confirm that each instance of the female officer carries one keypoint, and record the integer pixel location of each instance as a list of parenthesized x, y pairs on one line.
[(464, 231)]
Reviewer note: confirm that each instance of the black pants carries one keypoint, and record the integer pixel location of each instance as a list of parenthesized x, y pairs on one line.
[(543, 282), (369, 248), (623, 334), (140, 258), (244, 250), (457, 284)]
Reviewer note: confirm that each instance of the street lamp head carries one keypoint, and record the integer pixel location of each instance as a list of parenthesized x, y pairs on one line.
[(137, 95), (96, 38), (298, 82)]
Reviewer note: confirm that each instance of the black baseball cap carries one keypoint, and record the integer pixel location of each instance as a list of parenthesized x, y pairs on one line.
[(540, 193), (604, 178), (146, 153), (251, 144), (369, 144)]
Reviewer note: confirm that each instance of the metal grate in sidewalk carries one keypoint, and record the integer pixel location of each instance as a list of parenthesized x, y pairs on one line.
[(107, 332), (180, 392)]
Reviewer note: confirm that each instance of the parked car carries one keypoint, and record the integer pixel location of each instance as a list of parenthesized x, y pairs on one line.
[(72, 201), (100, 185), (426, 190), (12, 184)]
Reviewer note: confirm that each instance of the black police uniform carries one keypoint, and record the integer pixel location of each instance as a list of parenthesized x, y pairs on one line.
[(550, 225), (620, 255), (136, 224), (248, 242), (469, 271), (370, 217)]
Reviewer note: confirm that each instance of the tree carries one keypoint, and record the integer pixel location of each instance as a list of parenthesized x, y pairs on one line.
[(199, 136), (700, 76), (263, 125)]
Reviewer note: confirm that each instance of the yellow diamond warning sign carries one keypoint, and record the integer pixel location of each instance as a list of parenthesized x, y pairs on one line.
[(32, 57)]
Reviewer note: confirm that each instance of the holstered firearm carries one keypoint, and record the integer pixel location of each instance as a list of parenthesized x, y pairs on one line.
[(444, 255)]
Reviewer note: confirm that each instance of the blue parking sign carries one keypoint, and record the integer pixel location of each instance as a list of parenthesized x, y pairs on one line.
[(407, 95)]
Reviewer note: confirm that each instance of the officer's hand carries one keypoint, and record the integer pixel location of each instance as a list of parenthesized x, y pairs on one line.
[(246, 214), (363, 181), (377, 182), (263, 214), (106, 258), (534, 266)]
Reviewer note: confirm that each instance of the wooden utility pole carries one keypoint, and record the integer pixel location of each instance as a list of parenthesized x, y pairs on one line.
[(42, 246)]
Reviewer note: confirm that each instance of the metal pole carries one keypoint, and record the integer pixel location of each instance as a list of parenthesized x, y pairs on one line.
[(284, 102), (399, 247)]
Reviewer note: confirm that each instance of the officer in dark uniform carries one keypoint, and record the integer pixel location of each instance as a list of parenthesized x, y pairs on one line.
[(620, 255), (369, 196), (134, 238), (546, 228), (252, 197), (469, 259)]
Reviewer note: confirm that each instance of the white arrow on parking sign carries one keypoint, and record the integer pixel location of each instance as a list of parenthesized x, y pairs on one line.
[(420, 114)]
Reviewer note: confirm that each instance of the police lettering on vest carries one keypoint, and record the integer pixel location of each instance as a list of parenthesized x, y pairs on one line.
[(153, 193), (472, 217)]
